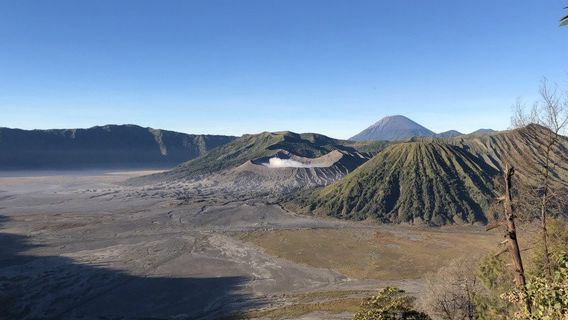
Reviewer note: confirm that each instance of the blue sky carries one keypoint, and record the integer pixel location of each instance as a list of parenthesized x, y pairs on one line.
[(241, 66)]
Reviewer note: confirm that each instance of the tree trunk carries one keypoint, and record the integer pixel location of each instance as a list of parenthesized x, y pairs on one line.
[(511, 235), (547, 265), (543, 209)]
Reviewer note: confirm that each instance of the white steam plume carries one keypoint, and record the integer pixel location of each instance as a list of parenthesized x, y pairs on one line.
[(286, 163)]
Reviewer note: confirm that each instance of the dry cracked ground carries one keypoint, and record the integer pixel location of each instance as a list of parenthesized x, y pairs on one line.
[(85, 246)]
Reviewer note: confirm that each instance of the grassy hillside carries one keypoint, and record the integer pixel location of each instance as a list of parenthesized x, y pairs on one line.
[(439, 181), (372, 147), (411, 182), (522, 148), (266, 144)]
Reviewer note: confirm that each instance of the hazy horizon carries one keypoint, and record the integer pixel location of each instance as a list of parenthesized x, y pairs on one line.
[(252, 132)]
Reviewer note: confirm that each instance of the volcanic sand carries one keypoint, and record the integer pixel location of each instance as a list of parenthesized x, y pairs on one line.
[(85, 245)]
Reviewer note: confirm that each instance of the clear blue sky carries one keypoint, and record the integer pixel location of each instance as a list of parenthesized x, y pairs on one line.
[(240, 66)]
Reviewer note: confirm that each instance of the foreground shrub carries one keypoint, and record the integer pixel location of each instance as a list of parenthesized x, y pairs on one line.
[(389, 304), (451, 293), (549, 297), (496, 279)]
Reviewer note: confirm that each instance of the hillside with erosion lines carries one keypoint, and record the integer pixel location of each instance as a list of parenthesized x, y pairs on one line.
[(439, 181)]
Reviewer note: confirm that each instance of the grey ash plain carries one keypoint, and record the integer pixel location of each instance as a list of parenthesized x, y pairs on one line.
[(84, 245)]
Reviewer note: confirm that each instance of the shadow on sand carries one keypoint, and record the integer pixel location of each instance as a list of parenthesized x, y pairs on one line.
[(53, 287)]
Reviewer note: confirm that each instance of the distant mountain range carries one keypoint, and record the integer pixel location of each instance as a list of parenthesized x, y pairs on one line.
[(396, 128), (425, 178), (483, 131), (101, 146), (131, 146), (448, 134)]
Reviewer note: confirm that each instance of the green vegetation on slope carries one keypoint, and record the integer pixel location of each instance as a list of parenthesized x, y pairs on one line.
[(438, 181), (522, 148), (266, 144), (372, 147), (409, 182)]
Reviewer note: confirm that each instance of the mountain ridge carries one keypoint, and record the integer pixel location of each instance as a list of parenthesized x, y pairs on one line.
[(101, 146), (448, 134)]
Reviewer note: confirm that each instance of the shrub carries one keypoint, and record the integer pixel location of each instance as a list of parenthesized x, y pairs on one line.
[(389, 304), (496, 279), (549, 297), (451, 293)]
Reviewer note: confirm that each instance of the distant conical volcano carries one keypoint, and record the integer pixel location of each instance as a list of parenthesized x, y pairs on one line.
[(393, 128)]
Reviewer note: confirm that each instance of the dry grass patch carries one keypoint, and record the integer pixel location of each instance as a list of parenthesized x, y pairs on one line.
[(384, 253), (300, 304), (297, 310)]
